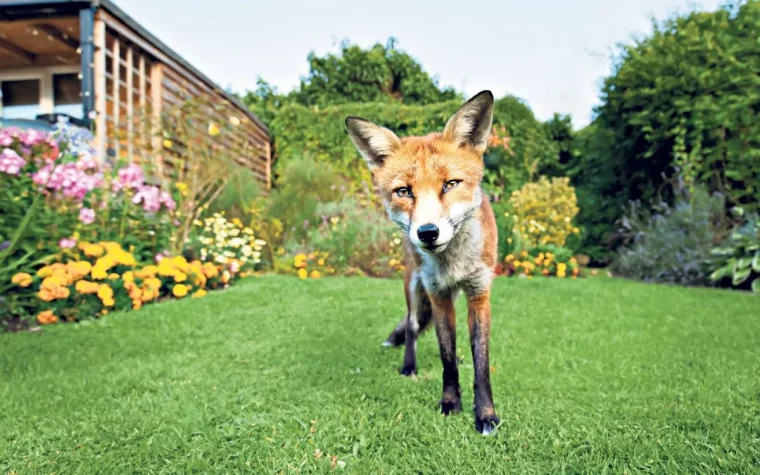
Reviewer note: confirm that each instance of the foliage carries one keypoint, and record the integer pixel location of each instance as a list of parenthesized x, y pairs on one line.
[(687, 98), (737, 259), (321, 134), (304, 183), (226, 242), (359, 239), (544, 211), (196, 162), (381, 73), (545, 260), (58, 194), (671, 243), (599, 183), (102, 277)]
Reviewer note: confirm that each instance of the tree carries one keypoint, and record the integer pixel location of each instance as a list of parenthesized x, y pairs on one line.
[(382, 73)]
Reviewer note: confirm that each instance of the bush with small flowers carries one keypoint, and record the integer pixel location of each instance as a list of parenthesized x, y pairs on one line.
[(103, 277)]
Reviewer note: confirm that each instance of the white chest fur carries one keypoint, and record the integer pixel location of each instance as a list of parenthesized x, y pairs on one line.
[(460, 266)]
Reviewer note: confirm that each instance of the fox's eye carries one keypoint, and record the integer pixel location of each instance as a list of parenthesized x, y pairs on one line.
[(403, 192), (450, 185)]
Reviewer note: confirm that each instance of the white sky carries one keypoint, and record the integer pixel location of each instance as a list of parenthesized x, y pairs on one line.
[(552, 53)]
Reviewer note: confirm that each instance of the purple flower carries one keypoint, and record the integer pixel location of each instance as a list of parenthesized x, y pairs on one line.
[(67, 243), (5, 245), (11, 162), (87, 215)]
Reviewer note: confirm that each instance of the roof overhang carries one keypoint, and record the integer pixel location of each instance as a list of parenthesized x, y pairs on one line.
[(11, 10)]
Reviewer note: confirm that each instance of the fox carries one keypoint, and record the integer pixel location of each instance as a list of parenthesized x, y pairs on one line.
[(431, 190)]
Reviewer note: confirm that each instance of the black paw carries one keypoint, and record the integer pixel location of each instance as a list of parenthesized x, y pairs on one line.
[(410, 370), (449, 407), (486, 425)]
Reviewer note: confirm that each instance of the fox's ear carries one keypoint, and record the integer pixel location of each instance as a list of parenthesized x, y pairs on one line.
[(472, 122), (375, 143)]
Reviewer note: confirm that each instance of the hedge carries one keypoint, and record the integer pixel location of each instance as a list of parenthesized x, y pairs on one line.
[(320, 134)]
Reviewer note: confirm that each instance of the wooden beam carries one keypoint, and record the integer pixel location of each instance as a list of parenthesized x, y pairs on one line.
[(130, 105), (116, 93), (143, 101), (17, 51), (99, 42), (156, 78), (58, 35)]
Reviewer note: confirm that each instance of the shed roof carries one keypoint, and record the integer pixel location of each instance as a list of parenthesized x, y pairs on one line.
[(24, 9)]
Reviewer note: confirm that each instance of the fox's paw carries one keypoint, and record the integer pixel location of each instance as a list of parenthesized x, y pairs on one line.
[(451, 407), (486, 425), (408, 370)]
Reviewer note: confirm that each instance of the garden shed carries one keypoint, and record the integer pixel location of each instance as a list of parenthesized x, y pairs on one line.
[(92, 62)]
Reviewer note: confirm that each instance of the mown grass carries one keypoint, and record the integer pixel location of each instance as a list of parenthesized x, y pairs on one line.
[(590, 376)]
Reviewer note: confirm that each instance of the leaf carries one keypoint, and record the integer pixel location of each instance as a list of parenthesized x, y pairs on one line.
[(756, 262), (756, 285), (741, 276)]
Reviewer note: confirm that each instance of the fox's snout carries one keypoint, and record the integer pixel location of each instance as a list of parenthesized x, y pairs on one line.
[(428, 233)]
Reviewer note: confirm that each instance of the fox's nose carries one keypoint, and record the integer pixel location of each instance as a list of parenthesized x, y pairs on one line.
[(428, 233)]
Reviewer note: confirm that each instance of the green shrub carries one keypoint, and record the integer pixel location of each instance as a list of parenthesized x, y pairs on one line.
[(303, 184), (672, 243), (320, 133), (736, 262), (359, 239), (686, 98)]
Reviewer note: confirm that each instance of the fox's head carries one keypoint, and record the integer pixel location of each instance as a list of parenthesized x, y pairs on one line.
[(430, 185)]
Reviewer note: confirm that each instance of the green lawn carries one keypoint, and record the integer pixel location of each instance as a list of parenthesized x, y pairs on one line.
[(591, 376)]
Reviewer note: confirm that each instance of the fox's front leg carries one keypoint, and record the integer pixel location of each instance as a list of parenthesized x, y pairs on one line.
[(479, 322), (412, 327), (446, 328)]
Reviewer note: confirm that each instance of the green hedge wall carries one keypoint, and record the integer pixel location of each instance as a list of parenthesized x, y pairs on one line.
[(320, 134)]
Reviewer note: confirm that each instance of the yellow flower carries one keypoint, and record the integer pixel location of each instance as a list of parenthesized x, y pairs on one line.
[(113, 276), (86, 287), (321, 262), (509, 257), (92, 250), (152, 283), (167, 143), (302, 273), (213, 129), (237, 222), (22, 279), (105, 292), (46, 317), (315, 274), (561, 274), (198, 294), (128, 276), (180, 277), (300, 260), (136, 304), (179, 290), (99, 273)]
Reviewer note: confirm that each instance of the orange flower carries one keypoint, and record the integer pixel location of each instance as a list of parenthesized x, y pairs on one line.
[(22, 279), (46, 317)]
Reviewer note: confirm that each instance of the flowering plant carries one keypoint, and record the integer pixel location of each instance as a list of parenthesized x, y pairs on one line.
[(228, 242), (103, 277), (541, 261)]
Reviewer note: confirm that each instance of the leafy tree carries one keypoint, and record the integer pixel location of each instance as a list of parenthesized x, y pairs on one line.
[(687, 98), (382, 73)]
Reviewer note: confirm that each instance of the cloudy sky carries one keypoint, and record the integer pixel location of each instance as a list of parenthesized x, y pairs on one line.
[(552, 53)]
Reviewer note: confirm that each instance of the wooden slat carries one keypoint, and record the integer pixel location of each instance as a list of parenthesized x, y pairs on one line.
[(115, 90), (99, 42), (130, 106), (17, 51)]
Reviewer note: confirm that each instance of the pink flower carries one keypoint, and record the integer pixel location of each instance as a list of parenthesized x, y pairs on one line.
[(67, 243), (166, 199), (87, 215), (131, 176), (149, 197), (234, 267), (68, 179), (11, 162), (159, 257)]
